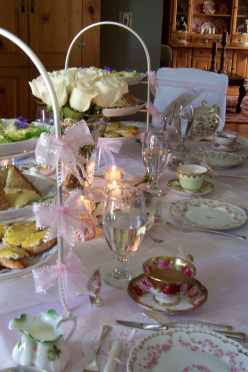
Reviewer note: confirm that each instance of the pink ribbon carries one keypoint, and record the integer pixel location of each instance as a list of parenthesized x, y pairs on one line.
[(153, 82), (65, 221), (70, 273), (107, 147), (49, 149)]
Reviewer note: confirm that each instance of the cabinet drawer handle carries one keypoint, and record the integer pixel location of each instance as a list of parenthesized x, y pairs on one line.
[(32, 6), (22, 7)]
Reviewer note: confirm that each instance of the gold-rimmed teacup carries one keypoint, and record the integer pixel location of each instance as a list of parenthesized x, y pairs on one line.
[(191, 176)]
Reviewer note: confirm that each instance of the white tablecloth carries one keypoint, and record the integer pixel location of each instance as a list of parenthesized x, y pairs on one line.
[(221, 265)]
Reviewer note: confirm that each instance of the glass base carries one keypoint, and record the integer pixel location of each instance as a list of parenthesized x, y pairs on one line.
[(121, 283)]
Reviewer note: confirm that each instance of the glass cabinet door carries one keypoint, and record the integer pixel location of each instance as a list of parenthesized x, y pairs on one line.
[(182, 15), (242, 19)]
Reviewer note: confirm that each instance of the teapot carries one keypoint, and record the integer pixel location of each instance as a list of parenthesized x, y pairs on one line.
[(42, 342)]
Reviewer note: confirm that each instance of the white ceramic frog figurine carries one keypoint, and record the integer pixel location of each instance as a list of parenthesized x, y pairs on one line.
[(42, 341)]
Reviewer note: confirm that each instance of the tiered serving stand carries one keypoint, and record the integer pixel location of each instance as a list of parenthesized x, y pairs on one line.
[(8, 154)]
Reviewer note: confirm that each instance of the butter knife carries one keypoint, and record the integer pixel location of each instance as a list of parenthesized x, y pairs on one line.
[(239, 336)]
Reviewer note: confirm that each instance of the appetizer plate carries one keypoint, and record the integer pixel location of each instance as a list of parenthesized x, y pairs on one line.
[(207, 213), (144, 296), (187, 349), (33, 263), (45, 185), (207, 188), (123, 111), (221, 159)]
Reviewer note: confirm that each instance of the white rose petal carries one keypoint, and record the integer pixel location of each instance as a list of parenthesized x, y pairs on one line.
[(111, 89), (81, 98)]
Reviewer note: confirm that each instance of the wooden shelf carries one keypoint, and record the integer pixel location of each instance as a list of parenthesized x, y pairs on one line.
[(212, 15)]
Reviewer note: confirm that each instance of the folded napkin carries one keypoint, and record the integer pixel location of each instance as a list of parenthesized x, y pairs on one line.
[(113, 356)]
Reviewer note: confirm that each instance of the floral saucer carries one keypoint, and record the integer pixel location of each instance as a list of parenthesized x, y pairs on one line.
[(207, 213), (206, 188), (193, 295), (187, 349)]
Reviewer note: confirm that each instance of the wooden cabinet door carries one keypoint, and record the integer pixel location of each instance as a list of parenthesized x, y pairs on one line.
[(13, 17), (14, 92), (53, 24)]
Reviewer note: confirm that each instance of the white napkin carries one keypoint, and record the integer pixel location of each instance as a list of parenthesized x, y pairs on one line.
[(114, 354)]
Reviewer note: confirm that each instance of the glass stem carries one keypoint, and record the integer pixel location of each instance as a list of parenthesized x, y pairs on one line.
[(121, 270)]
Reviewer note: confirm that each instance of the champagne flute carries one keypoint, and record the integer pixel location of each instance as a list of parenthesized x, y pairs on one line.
[(184, 125), (124, 225), (155, 156)]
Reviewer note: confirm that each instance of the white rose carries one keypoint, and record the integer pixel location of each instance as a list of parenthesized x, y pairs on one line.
[(40, 91), (81, 97), (110, 89)]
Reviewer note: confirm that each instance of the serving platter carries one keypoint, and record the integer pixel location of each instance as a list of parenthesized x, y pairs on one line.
[(187, 349), (208, 213), (47, 188)]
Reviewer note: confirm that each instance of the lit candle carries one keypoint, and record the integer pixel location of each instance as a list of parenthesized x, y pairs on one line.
[(114, 189), (4, 163), (114, 173)]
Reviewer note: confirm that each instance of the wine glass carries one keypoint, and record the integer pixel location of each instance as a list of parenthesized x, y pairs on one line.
[(155, 151), (124, 224), (184, 125)]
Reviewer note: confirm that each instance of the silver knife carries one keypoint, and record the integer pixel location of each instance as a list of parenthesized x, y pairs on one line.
[(239, 336)]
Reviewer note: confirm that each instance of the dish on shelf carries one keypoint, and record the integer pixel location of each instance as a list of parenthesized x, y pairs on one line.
[(187, 349), (207, 213), (17, 135), (192, 295), (19, 189), (23, 247)]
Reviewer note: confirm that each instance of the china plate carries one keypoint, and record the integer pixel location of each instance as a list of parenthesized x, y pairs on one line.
[(45, 185), (221, 159), (34, 263), (123, 111), (206, 188), (207, 213), (137, 124), (143, 296), (187, 349)]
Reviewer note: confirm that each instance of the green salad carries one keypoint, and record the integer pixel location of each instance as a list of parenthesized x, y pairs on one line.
[(18, 129)]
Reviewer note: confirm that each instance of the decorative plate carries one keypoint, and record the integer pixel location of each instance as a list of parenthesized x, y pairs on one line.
[(221, 159), (123, 111), (206, 188), (33, 263), (195, 295), (188, 349), (207, 213), (45, 185), (134, 80)]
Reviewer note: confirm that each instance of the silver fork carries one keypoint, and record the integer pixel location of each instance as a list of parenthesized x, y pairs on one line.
[(93, 366)]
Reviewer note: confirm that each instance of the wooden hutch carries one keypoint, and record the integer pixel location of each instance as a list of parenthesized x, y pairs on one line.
[(195, 25)]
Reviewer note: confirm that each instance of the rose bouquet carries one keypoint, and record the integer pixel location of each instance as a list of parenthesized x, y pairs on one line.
[(82, 92)]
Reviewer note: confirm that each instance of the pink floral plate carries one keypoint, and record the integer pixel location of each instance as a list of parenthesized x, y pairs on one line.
[(192, 295), (188, 349)]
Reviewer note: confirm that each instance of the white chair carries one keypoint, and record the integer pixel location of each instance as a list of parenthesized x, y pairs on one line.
[(204, 90)]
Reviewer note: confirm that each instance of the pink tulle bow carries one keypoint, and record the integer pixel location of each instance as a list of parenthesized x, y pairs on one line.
[(153, 82), (49, 149), (156, 114), (65, 221), (70, 273), (107, 147)]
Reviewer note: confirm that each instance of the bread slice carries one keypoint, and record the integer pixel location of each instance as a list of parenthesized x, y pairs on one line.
[(40, 248), (18, 198), (12, 264), (4, 204), (16, 180)]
